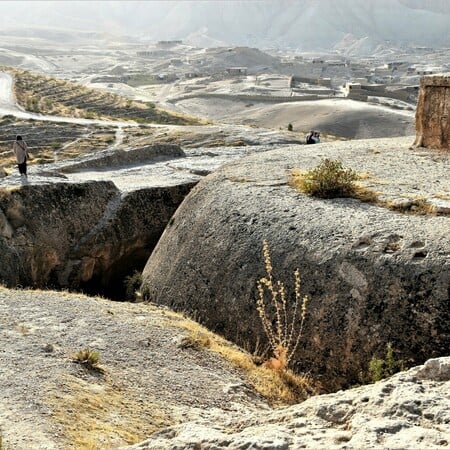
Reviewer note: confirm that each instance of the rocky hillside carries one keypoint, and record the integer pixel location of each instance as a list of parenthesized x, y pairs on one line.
[(407, 411), (375, 272), (48, 141), (46, 95), (155, 369), (81, 236)]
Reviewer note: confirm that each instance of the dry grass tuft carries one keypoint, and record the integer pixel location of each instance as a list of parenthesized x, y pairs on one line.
[(442, 196), (89, 359), (196, 340), (3, 445), (98, 416), (418, 206), (278, 387)]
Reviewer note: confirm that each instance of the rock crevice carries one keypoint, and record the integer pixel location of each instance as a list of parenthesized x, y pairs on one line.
[(81, 236)]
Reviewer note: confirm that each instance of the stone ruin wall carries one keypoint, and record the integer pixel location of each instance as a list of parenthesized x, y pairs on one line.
[(433, 113)]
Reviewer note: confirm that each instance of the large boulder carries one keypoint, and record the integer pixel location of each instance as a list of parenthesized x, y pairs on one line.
[(374, 275)]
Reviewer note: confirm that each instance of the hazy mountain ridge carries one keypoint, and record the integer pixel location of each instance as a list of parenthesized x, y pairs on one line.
[(304, 24)]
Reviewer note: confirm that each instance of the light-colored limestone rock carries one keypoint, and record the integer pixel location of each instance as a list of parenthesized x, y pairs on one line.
[(403, 412)]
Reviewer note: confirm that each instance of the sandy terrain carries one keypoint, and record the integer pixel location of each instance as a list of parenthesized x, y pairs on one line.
[(339, 117)]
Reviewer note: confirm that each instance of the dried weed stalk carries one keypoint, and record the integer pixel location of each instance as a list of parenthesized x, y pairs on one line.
[(279, 317)]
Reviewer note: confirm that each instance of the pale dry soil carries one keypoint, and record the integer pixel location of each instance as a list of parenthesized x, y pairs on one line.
[(147, 380)]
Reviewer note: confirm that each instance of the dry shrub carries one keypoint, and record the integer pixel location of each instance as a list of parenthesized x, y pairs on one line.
[(196, 340), (418, 206), (279, 387), (283, 336), (328, 180), (3, 445), (89, 359)]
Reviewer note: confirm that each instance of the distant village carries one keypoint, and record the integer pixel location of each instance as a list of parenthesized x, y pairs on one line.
[(306, 76)]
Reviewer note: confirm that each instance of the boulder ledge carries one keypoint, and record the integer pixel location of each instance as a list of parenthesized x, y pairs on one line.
[(374, 275), (87, 236)]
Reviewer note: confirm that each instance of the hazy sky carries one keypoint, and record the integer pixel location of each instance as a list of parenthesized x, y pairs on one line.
[(294, 22)]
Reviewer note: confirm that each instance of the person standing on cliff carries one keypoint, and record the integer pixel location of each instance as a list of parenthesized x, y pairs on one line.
[(20, 150)]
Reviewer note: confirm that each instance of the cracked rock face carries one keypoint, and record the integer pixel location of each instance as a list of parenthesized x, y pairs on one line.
[(85, 235), (373, 275), (409, 410)]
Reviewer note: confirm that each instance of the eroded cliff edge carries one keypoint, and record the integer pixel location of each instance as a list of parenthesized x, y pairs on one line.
[(81, 235)]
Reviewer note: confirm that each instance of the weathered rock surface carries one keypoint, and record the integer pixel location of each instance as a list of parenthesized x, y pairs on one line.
[(433, 112), (193, 397), (148, 381), (86, 235), (63, 229), (373, 275), (407, 411), (136, 156)]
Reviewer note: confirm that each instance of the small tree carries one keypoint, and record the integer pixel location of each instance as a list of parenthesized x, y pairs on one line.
[(290, 127)]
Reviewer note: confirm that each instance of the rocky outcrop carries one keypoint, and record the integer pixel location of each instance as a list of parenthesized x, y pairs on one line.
[(119, 158), (409, 410), (373, 275), (433, 111), (87, 235)]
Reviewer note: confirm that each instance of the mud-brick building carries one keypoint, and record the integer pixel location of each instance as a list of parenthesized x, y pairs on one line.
[(433, 112)]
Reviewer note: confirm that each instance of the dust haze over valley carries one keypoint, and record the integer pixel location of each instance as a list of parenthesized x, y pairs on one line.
[(181, 55), (166, 144)]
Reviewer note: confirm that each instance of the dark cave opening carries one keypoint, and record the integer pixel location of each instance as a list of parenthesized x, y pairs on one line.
[(115, 282)]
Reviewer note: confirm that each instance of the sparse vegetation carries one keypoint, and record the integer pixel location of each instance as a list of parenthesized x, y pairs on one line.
[(279, 387), (103, 415), (328, 180), (89, 359), (55, 145), (132, 285), (196, 340), (414, 206), (380, 368), (285, 335), (23, 328), (3, 445), (38, 93), (44, 138)]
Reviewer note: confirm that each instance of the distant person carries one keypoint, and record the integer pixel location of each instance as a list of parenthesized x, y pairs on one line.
[(309, 137), (20, 150)]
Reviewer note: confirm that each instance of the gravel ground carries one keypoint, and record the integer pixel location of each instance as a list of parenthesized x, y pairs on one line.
[(49, 402)]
